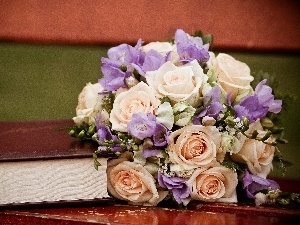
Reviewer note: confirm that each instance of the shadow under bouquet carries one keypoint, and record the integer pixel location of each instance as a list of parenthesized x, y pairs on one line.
[(184, 123)]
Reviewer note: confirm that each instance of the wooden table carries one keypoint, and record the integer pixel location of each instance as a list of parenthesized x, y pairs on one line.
[(199, 213)]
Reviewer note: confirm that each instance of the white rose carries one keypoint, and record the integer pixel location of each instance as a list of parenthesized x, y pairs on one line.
[(139, 98), (233, 75), (182, 83), (212, 57), (216, 184), (130, 181), (163, 48), (193, 146), (257, 155), (87, 100)]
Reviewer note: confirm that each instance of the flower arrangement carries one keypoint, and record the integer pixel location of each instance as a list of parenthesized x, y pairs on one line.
[(184, 123)]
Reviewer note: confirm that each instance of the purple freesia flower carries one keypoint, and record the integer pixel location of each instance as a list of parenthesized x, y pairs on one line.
[(161, 134), (178, 186), (141, 125), (124, 54), (120, 56), (104, 133), (190, 48), (100, 118), (114, 77), (250, 108), (252, 184), (213, 101), (258, 105), (266, 98), (149, 61), (150, 152)]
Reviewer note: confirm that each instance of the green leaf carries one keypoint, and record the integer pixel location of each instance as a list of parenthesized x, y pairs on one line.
[(96, 164)]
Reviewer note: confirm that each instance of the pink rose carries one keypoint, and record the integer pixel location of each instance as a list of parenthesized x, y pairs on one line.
[(216, 184), (193, 146), (130, 181)]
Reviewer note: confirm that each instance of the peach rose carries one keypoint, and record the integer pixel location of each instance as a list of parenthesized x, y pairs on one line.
[(179, 83), (216, 184), (87, 100), (257, 155), (193, 146), (139, 98), (130, 181), (233, 75)]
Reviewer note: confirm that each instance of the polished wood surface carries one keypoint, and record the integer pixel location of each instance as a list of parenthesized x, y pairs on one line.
[(241, 25), (140, 215)]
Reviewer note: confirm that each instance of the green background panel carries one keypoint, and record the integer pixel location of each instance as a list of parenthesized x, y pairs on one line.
[(40, 82)]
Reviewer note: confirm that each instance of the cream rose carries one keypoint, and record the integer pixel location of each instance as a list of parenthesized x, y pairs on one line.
[(257, 155), (163, 48), (130, 181), (193, 146), (87, 100), (179, 83), (139, 98), (233, 75), (216, 184)]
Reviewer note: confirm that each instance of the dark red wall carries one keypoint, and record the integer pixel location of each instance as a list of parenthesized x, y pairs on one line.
[(236, 24)]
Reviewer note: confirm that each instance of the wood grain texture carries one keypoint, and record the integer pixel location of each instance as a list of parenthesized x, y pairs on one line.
[(137, 215), (52, 180), (237, 25)]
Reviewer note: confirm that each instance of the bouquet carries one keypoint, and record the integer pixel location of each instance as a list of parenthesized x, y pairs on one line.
[(184, 123)]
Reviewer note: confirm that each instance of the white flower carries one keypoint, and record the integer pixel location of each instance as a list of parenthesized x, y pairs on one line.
[(139, 98), (87, 100), (231, 144), (212, 57), (164, 115), (260, 198), (183, 113), (208, 121), (182, 83)]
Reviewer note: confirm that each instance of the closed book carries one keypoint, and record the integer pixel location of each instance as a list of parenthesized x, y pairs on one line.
[(40, 163)]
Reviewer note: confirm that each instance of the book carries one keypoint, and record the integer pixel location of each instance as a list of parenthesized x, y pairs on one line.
[(41, 163)]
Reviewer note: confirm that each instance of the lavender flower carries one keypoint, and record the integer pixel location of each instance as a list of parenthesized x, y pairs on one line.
[(190, 48), (252, 184), (178, 186), (142, 126)]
